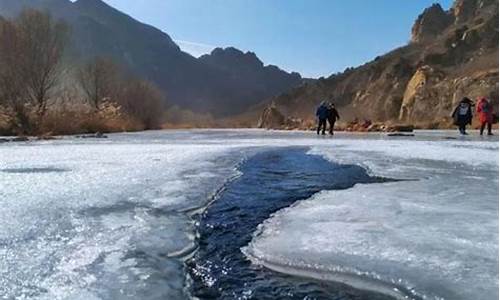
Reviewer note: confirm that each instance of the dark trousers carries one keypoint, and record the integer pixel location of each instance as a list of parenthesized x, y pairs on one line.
[(332, 125), (461, 128), (483, 125), (321, 126)]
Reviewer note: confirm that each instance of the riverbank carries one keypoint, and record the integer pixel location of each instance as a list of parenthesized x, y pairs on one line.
[(402, 132)]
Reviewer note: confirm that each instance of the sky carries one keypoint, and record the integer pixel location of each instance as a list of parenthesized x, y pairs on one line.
[(313, 37)]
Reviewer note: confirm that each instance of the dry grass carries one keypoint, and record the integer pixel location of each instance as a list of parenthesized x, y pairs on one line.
[(82, 120), (77, 119), (5, 122)]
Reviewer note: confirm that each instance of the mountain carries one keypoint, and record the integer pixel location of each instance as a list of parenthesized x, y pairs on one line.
[(248, 75), (451, 54), (211, 84)]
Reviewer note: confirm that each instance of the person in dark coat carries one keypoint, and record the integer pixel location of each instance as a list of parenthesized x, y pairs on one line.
[(333, 116), (462, 115), (322, 115)]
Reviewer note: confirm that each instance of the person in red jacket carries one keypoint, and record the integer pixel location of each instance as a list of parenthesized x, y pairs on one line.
[(484, 110)]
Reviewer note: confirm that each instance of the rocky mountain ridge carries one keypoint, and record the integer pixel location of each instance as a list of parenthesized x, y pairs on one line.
[(452, 54)]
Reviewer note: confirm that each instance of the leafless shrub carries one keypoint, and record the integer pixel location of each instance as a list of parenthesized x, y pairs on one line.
[(99, 80), (143, 101)]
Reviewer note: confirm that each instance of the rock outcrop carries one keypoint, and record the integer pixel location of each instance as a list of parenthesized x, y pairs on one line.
[(452, 54), (418, 90), (430, 24), (271, 118), (463, 10)]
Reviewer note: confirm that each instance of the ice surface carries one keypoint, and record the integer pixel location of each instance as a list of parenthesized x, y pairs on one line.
[(435, 236), (105, 219), (97, 220)]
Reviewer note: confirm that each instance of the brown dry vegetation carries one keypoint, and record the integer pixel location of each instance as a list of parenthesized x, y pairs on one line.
[(42, 95)]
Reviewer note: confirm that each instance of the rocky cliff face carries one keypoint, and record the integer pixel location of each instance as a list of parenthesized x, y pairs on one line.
[(452, 54), (430, 24), (223, 83)]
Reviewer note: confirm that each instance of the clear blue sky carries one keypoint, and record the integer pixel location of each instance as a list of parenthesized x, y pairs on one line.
[(313, 37)]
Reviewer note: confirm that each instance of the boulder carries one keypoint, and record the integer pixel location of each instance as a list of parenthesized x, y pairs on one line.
[(400, 128), (271, 118)]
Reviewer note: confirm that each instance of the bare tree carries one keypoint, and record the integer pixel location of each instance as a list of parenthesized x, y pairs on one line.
[(43, 42), (99, 80), (13, 92), (31, 51), (144, 102)]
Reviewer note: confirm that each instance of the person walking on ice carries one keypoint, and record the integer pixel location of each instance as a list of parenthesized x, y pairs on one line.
[(333, 116), (462, 115), (484, 110), (322, 115)]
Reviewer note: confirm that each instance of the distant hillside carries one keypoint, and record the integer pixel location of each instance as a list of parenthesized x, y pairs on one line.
[(452, 54), (213, 84), (248, 75)]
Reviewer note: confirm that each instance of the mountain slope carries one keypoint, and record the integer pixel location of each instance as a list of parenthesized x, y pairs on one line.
[(452, 54), (200, 85), (248, 75)]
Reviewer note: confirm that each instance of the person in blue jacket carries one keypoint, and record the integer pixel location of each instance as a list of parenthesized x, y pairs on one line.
[(322, 115)]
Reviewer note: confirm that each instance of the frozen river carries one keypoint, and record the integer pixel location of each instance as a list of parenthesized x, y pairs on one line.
[(122, 218)]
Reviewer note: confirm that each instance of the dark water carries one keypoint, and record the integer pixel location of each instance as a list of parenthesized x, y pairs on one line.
[(34, 170), (271, 181)]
